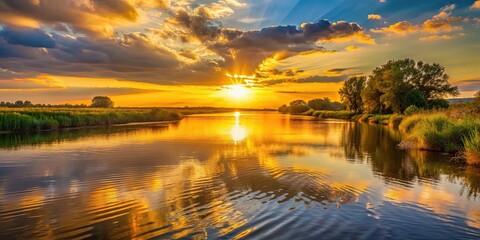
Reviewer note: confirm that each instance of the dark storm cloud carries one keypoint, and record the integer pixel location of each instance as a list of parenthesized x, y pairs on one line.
[(27, 37)]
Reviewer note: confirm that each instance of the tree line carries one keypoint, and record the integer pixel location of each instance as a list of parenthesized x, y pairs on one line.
[(396, 86), (300, 106), (97, 102)]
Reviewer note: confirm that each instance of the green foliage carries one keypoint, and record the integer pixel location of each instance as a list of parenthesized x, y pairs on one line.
[(11, 121), (437, 104), (102, 102), (324, 104), (284, 109), (408, 123), (471, 150), (351, 92), (298, 107), (398, 84), (440, 133), (334, 114), (412, 109)]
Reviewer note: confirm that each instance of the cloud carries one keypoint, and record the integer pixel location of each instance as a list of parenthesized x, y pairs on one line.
[(374, 17), (96, 18), (351, 48), (310, 79), (191, 46), (439, 37), (468, 85), (475, 6), (251, 20), (27, 37), (337, 70), (441, 22), (398, 28), (252, 47)]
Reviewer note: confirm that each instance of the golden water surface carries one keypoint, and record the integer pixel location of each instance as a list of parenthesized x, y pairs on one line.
[(233, 175)]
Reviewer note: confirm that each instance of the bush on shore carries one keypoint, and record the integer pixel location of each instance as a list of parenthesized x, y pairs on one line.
[(438, 132), (25, 121), (333, 114), (471, 150)]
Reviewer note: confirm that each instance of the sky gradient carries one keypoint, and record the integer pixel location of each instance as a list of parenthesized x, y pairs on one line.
[(189, 53)]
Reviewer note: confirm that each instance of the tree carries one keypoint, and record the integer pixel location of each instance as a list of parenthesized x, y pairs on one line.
[(350, 93), (298, 106), (102, 102), (398, 84), (27, 104), (432, 81), (283, 109), (320, 104), (19, 103)]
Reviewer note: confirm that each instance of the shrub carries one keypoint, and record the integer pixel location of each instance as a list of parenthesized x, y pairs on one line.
[(334, 114), (52, 120), (471, 150), (408, 123), (438, 132), (412, 109)]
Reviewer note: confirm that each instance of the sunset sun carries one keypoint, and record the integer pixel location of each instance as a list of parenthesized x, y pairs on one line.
[(238, 91)]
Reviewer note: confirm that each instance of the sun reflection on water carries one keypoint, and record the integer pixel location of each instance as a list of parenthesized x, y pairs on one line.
[(238, 132)]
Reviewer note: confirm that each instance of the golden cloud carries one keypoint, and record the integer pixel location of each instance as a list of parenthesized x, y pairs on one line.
[(374, 17), (441, 22)]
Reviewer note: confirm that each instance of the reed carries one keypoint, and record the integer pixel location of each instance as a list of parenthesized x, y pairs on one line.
[(471, 150), (49, 119)]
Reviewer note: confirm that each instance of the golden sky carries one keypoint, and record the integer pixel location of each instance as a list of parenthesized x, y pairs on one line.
[(231, 53)]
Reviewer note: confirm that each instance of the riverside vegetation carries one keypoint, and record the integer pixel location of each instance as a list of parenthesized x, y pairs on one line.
[(410, 96), (26, 117)]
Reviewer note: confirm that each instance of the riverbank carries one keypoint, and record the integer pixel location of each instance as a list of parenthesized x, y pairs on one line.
[(51, 119), (455, 130)]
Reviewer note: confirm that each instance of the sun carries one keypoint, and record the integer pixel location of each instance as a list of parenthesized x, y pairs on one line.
[(238, 91)]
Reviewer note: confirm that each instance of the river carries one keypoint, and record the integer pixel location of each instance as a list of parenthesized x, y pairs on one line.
[(253, 175)]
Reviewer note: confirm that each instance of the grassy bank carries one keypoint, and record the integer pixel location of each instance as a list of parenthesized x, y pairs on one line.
[(452, 130), (349, 115), (29, 120)]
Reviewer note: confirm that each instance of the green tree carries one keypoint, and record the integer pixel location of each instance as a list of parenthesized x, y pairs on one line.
[(102, 102), (283, 109), (298, 106), (351, 92), (432, 81), (319, 104), (398, 84), (19, 103)]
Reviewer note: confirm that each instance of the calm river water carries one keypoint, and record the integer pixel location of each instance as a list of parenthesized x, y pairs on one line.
[(253, 176)]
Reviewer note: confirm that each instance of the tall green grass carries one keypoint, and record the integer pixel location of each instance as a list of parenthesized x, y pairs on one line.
[(333, 114), (471, 150), (438, 132), (23, 121)]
